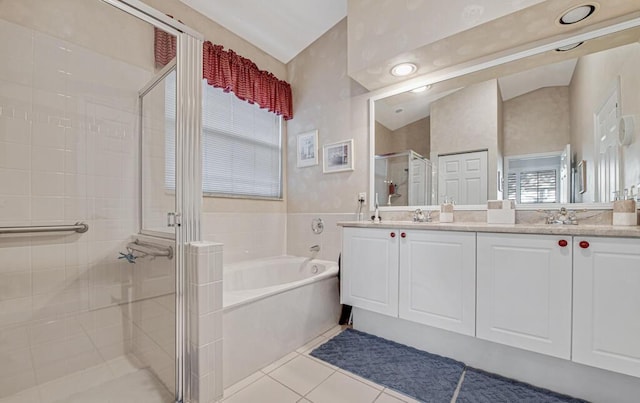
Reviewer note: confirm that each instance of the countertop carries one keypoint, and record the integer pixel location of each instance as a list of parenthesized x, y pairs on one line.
[(544, 229)]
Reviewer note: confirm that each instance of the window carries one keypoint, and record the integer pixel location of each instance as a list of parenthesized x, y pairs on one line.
[(241, 147), (533, 179)]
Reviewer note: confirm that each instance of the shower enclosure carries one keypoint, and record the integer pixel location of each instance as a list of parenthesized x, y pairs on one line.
[(85, 119), (403, 179)]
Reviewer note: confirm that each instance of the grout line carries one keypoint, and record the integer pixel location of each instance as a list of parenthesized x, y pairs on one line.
[(454, 398), (286, 386)]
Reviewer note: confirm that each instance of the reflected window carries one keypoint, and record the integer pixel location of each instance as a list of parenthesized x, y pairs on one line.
[(533, 179)]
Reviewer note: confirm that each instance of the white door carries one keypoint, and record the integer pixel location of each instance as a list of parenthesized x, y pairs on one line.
[(608, 150), (438, 279), (524, 292), (463, 177), (565, 175), (417, 182), (369, 272), (606, 304)]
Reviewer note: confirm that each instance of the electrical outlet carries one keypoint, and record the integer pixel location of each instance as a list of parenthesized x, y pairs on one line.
[(362, 197)]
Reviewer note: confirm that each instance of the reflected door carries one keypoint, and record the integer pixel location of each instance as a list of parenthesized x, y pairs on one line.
[(608, 150), (463, 177)]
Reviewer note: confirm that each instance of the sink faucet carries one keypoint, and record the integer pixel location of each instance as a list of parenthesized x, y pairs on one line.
[(314, 248), (419, 216), (562, 216)]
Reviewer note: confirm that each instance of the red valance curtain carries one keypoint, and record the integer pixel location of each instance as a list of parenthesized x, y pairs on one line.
[(231, 72)]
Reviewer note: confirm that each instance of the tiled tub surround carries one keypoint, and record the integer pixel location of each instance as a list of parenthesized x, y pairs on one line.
[(69, 152), (204, 321)]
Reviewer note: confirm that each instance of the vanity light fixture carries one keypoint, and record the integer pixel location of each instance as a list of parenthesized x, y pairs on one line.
[(403, 69), (567, 48), (577, 14)]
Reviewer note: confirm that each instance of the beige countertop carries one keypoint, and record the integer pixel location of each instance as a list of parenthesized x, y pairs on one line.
[(548, 229)]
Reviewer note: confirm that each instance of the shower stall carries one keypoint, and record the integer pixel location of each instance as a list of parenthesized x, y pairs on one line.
[(94, 156), (403, 179)]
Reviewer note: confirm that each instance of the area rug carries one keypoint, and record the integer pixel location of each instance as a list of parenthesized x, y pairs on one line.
[(421, 375), (483, 387)]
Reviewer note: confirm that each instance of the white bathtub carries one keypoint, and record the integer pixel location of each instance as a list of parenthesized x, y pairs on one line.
[(273, 306)]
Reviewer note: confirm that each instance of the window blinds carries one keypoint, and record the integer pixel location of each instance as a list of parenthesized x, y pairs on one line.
[(241, 147)]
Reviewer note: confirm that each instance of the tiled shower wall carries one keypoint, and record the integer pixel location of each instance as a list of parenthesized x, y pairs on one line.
[(68, 152)]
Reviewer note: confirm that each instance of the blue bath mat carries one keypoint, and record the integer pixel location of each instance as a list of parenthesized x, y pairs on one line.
[(482, 387), (421, 375)]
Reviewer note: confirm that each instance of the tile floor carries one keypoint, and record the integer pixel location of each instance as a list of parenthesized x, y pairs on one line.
[(299, 377)]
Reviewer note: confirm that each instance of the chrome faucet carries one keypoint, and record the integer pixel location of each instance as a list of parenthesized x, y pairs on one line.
[(419, 216), (562, 216), (314, 248)]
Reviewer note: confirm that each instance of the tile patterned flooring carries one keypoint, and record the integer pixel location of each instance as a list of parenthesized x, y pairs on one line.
[(299, 377)]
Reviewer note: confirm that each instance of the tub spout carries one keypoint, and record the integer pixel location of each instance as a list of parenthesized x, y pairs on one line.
[(314, 248)]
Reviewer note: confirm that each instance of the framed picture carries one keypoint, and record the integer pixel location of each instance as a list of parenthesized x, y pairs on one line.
[(581, 176), (337, 157), (307, 149)]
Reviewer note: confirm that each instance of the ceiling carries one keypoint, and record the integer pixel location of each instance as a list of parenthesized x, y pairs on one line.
[(281, 28), (402, 109)]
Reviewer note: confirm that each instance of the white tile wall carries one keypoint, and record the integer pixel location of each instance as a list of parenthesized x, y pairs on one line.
[(205, 318), (300, 237), (246, 236)]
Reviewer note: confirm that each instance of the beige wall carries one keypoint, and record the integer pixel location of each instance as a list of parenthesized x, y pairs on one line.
[(415, 136), (593, 78), (467, 120), (326, 99), (537, 122)]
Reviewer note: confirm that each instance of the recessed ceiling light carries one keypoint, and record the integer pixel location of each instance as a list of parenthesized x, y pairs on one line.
[(577, 14), (569, 47), (421, 89), (403, 69)]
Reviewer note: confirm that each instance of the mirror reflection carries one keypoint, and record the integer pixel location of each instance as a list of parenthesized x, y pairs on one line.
[(519, 135)]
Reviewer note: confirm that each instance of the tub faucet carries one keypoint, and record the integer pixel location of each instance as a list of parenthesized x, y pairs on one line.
[(314, 248)]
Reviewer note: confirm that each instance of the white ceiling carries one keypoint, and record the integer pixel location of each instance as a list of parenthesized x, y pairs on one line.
[(282, 28), (552, 75)]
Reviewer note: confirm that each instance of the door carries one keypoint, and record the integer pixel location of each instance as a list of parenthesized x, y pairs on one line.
[(607, 148), (565, 175), (438, 279), (369, 278), (606, 302), (417, 182), (524, 292), (463, 177)]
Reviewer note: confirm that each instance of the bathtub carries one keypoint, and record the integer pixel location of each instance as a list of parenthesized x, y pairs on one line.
[(273, 306)]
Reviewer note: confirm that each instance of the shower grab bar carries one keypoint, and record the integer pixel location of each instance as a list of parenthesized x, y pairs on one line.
[(150, 249), (79, 227)]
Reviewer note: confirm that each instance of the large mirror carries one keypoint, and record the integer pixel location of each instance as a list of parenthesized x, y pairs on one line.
[(540, 129)]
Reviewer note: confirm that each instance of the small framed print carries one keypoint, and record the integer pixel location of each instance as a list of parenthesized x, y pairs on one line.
[(337, 157), (307, 149)]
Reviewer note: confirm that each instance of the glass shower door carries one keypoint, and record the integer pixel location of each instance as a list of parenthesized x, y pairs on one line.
[(83, 314)]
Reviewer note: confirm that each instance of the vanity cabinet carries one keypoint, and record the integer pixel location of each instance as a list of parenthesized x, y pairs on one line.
[(606, 303), (438, 279), (524, 291), (369, 275)]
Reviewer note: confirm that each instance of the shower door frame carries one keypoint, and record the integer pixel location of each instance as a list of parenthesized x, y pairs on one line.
[(188, 169)]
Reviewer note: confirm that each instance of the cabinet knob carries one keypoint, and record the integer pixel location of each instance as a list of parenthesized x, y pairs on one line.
[(393, 235), (404, 234), (584, 244), (563, 243)]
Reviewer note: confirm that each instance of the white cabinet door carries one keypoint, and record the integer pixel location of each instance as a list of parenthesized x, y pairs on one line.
[(524, 292), (369, 276), (463, 177), (438, 279), (606, 303)]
